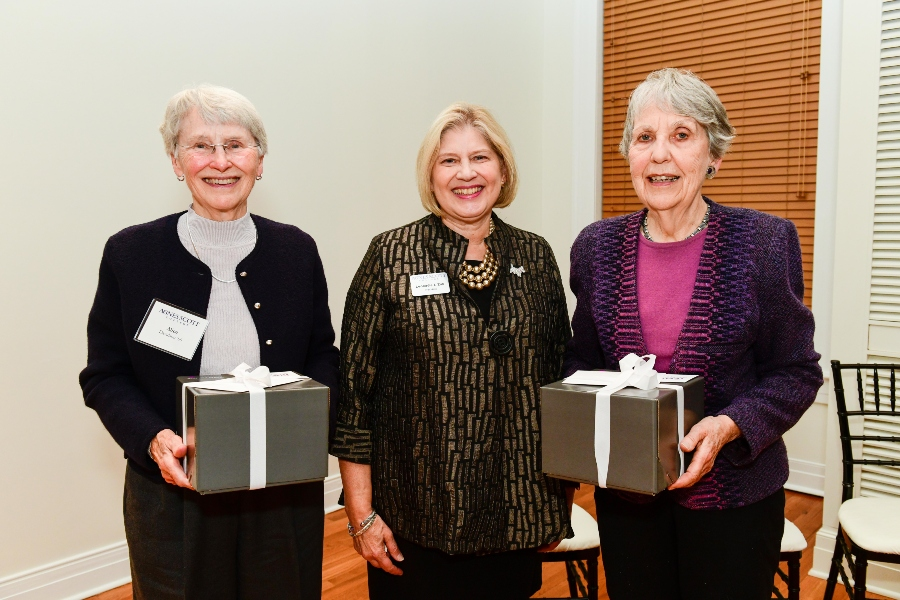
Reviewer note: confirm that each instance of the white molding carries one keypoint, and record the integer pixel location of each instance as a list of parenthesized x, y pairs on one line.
[(586, 48), (881, 578), (333, 487), (806, 477), (826, 175), (72, 578)]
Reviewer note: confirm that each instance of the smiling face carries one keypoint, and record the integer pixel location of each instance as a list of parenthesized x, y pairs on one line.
[(668, 158), (467, 176), (219, 183)]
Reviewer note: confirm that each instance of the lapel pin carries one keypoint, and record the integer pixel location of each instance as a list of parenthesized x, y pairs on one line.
[(517, 270)]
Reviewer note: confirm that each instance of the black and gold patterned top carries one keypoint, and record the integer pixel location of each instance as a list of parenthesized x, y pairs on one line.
[(449, 422)]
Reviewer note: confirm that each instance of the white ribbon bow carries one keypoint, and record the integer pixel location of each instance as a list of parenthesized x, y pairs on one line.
[(636, 371), (259, 376)]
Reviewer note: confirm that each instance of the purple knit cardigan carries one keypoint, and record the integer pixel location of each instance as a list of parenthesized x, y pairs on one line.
[(747, 332)]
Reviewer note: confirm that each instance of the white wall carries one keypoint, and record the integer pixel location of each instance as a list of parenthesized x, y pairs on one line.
[(346, 90), (851, 32)]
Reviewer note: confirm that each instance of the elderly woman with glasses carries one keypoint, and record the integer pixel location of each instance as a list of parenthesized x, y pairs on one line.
[(710, 290), (261, 286)]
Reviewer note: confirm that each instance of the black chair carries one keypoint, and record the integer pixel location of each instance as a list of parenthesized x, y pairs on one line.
[(792, 546), (868, 527), (580, 554)]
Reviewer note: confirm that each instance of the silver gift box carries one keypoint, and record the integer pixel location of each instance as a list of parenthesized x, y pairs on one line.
[(217, 434), (643, 454)]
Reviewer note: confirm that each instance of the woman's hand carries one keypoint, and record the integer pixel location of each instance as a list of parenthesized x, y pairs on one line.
[(705, 439), (167, 449), (377, 546)]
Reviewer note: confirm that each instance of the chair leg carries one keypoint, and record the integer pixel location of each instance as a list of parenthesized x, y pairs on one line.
[(794, 578), (833, 571), (859, 577), (572, 577), (593, 577)]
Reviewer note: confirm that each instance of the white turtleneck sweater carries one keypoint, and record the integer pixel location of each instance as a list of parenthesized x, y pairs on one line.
[(231, 337)]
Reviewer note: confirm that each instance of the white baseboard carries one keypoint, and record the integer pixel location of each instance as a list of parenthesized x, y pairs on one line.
[(73, 578), (99, 570), (333, 487), (806, 477), (881, 578)]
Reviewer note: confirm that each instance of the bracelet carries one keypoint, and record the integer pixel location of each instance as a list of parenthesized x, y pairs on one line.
[(363, 526)]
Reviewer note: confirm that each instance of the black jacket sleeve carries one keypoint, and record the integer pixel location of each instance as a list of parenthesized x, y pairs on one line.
[(108, 382)]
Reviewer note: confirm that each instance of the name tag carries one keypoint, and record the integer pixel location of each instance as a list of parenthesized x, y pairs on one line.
[(171, 329), (675, 378), (429, 283)]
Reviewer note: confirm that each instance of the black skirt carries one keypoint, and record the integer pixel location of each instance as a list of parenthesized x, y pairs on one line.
[(436, 575), (236, 545)]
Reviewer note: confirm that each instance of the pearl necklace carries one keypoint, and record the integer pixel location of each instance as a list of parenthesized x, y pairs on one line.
[(700, 227), (480, 276)]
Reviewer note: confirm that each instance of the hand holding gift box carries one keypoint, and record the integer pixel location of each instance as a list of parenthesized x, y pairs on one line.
[(253, 429), (618, 436)]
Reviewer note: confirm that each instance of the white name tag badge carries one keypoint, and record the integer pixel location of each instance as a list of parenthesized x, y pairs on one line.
[(429, 283), (171, 329), (675, 378)]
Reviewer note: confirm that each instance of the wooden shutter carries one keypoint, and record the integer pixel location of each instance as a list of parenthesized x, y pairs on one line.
[(884, 293), (762, 58)]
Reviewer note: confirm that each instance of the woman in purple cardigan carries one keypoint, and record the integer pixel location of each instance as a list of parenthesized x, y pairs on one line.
[(710, 290)]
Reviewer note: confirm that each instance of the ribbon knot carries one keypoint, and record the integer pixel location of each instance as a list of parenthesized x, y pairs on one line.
[(259, 376), (636, 371)]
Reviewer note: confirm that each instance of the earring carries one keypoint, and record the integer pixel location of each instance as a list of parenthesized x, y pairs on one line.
[(181, 178), (710, 172), (258, 177)]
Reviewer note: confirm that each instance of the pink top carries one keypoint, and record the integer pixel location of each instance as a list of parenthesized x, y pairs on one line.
[(666, 273)]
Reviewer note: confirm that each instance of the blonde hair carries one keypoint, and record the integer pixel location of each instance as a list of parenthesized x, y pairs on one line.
[(457, 116), (682, 92), (215, 105)]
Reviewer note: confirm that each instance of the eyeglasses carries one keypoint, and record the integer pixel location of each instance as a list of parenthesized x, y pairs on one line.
[(232, 149)]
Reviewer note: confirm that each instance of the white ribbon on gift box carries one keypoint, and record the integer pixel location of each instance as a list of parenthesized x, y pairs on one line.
[(255, 382), (635, 371)]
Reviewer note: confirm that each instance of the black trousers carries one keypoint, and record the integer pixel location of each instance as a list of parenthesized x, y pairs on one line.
[(659, 550), (237, 545), (434, 575)]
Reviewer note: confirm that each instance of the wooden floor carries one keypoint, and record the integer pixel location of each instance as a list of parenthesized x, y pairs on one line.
[(344, 572)]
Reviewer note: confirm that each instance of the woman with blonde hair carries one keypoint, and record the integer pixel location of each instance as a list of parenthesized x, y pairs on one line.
[(451, 325)]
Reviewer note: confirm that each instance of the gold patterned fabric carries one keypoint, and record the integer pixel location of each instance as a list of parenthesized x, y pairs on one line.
[(449, 423)]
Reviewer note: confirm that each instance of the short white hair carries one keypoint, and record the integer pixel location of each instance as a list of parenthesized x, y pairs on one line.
[(684, 93), (216, 105)]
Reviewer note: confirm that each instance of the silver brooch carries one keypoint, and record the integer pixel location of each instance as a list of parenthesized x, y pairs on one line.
[(516, 270)]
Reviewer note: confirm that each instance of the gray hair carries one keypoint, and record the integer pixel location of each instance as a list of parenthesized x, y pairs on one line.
[(216, 105), (684, 93)]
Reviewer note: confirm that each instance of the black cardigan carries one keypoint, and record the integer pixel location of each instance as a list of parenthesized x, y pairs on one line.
[(132, 386)]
